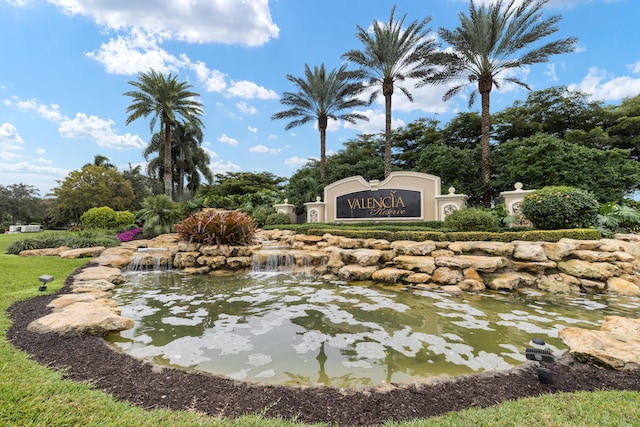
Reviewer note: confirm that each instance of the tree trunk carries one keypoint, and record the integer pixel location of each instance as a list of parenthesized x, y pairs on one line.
[(168, 181), (484, 87), (322, 126), (387, 91)]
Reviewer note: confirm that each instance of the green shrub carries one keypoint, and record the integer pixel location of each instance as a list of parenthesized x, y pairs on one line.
[(211, 227), (278, 218), (102, 217), (560, 207), (261, 214), (74, 240), (472, 219), (123, 219)]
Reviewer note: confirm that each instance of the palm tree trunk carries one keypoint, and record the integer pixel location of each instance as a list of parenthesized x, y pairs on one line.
[(168, 181), (387, 91), (322, 126), (484, 87)]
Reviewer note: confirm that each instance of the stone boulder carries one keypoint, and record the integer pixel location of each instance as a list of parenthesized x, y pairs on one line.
[(44, 252), (87, 315), (390, 275), (82, 252), (615, 346), (110, 274)]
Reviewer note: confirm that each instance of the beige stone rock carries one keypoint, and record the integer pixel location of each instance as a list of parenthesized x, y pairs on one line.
[(626, 267), (411, 248), (309, 258), (307, 238), (82, 252), (447, 276), (213, 250), (90, 317), (44, 252), (186, 259), (614, 245), (596, 256), (510, 280), (213, 262), (418, 278), (559, 284), (588, 245), (472, 273), (366, 256), (197, 270), (559, 250), (487, 264), (111, 274), (347, 243), (534, 267), (356, 272), (379, 244), (452, 289), (587, 270), (592, 286), (422, 264), (239, 262), (488, 248), (117, 257), (615, 346), (91, 285), (390, 275), (471, 285), (529, 251), (68, 299), (620, 286), (442, 252)]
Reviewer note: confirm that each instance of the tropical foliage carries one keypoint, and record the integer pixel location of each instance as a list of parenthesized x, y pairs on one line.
[(392, 54), (492, 40), (559, 207), (158, 215), (213, 227), (322, 96), (168, 101)]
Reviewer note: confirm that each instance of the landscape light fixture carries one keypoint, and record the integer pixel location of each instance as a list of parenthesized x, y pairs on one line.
[(44, 279), (541, 356)]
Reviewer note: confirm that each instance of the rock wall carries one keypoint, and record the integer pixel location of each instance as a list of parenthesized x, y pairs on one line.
[(608, 266)]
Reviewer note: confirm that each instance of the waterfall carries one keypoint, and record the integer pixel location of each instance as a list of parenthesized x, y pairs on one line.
[(154, 259)]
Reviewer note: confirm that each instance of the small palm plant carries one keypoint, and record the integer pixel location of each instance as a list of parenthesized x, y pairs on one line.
[(616, 218), (159, 215)]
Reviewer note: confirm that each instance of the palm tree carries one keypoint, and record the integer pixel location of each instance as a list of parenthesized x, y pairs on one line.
[(321, 97), (188, 159), (393, 54), (169, 101), (490, 41)]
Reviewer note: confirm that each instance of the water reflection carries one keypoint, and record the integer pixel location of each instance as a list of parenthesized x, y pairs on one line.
[(278, 328)]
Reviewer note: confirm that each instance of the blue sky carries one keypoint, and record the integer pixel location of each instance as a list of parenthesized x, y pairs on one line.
[(66, 64)]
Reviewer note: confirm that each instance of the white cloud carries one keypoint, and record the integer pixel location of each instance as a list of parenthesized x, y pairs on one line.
[(246, 108), (135, 52), (83, 126), (213, 80), (252, 129), (604, 87), (249, 90), (49, 112), (246, 22), (296, 162), (264, 149), (10, 141), (223, 167), (228, 140), (375, 123)]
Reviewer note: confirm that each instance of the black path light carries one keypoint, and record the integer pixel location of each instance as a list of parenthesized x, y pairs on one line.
[(541, 356), (44, 279)]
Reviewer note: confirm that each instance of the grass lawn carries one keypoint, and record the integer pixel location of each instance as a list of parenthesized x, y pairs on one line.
[(32, 395)]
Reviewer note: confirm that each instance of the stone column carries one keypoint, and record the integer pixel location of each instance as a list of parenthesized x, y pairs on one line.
[(316, 211), (450, 202), (513, 202), (287, 208)]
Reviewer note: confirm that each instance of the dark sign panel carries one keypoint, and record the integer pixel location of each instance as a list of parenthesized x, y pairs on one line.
[(380, 204)]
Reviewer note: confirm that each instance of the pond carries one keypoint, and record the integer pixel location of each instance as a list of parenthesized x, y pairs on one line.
[(299, 330)]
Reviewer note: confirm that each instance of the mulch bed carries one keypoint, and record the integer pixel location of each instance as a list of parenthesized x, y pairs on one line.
[(90, 359)]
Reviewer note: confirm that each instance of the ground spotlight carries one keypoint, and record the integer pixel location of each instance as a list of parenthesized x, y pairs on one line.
[(44, 279)]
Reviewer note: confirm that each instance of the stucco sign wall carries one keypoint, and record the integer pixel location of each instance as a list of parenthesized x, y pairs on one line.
[(408, 196)]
